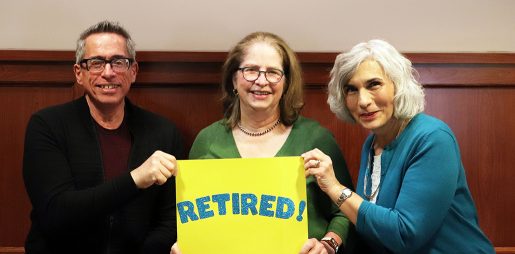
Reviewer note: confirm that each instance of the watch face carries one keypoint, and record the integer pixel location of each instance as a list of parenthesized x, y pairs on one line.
[(331, 242), (345, 194)]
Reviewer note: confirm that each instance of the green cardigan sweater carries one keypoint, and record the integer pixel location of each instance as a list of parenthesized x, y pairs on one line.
[(217, 142)]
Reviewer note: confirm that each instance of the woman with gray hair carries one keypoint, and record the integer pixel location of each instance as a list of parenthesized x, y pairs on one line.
[(412, 194)]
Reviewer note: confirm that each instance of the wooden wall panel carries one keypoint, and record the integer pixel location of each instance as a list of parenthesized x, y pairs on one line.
[(16, 106), (473, 93), (483, 122), (190, 109)]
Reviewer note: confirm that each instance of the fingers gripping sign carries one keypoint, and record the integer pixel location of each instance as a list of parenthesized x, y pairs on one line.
[(175, 249), (155, 170), (313, 246), (319, 165)]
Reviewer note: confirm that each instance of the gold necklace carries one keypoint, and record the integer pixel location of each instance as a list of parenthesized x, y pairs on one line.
[(257, 134)]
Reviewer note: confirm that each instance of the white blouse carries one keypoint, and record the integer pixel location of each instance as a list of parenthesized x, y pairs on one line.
[(376, 177)]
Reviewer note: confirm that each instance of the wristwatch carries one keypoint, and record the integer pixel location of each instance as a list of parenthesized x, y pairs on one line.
[(346, 193), (331, 242)]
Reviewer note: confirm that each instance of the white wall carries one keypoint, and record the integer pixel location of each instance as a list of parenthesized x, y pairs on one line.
[(308, 25)]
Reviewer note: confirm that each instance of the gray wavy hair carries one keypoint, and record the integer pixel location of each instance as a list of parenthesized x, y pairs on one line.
[(409, 94), (104, 27)]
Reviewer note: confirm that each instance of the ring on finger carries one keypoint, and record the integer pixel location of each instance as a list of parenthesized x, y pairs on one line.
[(317, 163)]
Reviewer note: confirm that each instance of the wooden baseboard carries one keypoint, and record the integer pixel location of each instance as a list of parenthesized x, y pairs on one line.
[(10, 250), (505, 250)]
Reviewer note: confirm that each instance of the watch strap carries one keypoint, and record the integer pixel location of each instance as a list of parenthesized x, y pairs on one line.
[(331, 242), (344, 195)]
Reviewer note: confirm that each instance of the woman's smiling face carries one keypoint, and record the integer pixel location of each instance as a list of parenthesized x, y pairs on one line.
[(369, 96), (260, 95)]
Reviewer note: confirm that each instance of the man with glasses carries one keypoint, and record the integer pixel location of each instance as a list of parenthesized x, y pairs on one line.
[(98, 170)]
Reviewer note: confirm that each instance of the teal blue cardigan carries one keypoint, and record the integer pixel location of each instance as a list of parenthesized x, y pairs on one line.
[(424, 204)]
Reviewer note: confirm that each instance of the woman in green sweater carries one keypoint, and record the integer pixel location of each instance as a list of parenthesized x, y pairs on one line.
[(262, 96)]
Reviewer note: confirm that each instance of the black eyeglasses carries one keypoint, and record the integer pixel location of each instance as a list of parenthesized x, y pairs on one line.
[(97, 65), (251, 74)]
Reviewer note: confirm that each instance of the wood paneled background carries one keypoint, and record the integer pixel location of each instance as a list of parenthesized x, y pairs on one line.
[(473, 93)]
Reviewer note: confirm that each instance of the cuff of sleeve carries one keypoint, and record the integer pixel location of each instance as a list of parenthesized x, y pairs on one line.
[(126, 185)]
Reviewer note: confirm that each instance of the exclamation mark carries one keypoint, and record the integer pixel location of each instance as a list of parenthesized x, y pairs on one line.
[(302, 206)]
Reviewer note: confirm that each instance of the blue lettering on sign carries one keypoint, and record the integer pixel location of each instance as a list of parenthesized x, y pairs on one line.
[(203, 208), (186, 210), (235, 203), (220, 199), (248, 202), (266, 205), (244, 204), (285, 208)]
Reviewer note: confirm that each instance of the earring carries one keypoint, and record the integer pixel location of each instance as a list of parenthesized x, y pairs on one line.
[(235, 91)]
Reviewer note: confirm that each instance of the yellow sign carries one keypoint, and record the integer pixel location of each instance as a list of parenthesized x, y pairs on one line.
[(241, 206)]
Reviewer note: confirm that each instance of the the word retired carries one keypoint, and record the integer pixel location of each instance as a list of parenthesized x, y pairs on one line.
[(240, 204)]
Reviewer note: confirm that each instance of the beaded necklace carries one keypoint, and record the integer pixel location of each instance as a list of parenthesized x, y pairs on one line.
[(257, 134), (369, 162)]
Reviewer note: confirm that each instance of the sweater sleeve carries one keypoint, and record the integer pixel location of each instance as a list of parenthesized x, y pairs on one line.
[(425, 197), (214, 142), (326, 142), (57, 205), (162, 236), (200, 145)]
